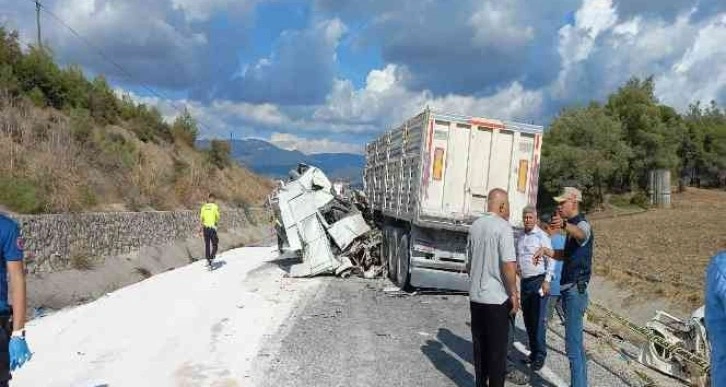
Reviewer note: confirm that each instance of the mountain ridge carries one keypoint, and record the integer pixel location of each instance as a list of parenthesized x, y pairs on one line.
[(267, 159)]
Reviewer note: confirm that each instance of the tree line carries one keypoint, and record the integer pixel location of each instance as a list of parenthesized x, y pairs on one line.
[(34, 75), (611, 148)]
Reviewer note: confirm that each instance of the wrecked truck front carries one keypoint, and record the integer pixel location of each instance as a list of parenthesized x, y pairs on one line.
[(319, 225)]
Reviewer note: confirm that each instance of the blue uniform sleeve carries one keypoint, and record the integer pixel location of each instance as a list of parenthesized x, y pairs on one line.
[(12, 244)]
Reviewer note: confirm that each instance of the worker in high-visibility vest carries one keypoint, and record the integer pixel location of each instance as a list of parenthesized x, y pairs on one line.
[(209, 217)]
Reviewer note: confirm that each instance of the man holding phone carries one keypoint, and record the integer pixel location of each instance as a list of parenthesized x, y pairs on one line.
[(576, 270)]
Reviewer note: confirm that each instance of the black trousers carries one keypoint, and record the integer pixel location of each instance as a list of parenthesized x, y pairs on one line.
[(534, 308), (211, 241), (490, 334), (6, 329)]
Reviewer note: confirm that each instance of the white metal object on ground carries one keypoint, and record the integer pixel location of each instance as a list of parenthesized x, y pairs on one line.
[(346, 230), (689, 335)]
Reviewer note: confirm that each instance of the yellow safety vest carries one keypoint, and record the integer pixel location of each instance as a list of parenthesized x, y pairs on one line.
[(210, 215)]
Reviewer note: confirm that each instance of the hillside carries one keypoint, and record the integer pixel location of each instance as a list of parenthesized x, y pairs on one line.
[(269, 160), (70, 144)]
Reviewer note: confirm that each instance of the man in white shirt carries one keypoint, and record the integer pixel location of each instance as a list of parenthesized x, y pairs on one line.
[(535, 285)]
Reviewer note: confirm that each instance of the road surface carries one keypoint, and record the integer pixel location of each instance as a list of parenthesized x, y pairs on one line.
[(353, 333), (245, 324)]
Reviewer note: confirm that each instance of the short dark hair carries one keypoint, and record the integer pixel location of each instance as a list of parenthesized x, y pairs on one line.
[(545, 218), (211, 196)]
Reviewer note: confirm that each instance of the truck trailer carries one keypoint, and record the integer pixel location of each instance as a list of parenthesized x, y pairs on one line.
[(427, 180)]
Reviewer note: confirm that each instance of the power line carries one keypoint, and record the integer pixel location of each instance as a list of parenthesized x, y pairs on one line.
[(103, 55)]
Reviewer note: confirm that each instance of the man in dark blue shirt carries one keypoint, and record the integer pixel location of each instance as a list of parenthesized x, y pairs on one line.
[(14, 350), (576, 269)]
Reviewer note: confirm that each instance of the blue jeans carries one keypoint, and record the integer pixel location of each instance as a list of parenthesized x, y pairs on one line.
[(716, 317), (575, 304), (534, 308)]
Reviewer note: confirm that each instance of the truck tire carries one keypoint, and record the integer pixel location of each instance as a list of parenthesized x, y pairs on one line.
[(392, 253), (279, 244), (404, 262), (383, 249)]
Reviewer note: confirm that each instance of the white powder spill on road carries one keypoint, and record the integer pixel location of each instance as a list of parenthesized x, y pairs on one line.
[(187, 327)]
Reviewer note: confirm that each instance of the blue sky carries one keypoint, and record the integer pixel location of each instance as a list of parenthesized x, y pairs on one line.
[(329, 75)]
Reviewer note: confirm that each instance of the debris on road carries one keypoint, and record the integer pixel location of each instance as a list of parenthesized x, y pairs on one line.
[(325, 225), (678, 348), (673, 346)]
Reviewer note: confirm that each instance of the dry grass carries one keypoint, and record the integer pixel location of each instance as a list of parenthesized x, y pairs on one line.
[(664, 252), (82, 262), (112, 170)]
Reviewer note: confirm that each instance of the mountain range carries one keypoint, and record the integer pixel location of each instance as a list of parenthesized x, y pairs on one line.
[(269, 160)]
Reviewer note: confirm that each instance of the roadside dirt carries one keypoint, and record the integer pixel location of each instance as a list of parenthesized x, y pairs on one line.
[(660, 255)]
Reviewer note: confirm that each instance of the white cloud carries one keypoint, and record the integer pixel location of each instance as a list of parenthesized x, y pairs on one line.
[(139, 35), (265, 114), (386, 101), (700, 74), (163, 43), (496, 23), (577, 41), (309, 146), (202, 10), (601, 51)]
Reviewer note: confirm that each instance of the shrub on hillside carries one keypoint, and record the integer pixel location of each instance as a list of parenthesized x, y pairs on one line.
[(184, 129), (20, 195), (219, 153), (81, 125)]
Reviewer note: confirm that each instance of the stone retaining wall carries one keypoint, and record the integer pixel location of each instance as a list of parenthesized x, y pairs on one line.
[(53, 242)]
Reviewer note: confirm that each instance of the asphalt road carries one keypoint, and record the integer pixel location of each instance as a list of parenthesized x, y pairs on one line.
[(353, 333)]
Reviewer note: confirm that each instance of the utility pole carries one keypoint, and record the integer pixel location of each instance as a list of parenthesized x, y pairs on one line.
[(37, 18)]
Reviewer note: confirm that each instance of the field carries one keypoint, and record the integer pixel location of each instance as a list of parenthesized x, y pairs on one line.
[(663, 253)]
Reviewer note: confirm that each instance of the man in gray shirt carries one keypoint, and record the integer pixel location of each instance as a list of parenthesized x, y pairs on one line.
[(492, 267)]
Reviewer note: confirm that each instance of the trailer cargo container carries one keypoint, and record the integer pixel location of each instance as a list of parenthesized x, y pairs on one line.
[(427, 180)]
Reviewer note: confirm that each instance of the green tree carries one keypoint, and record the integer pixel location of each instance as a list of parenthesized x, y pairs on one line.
[(651, 130), (219, 153), (103, 103), (10, 55), (703, 146), (37, 70), (185, 129), (77, 88), (585, 147)]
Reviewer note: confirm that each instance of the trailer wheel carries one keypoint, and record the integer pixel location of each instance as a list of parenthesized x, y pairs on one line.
[(279, 244), (383, 249), (392, 253), (404, 261)]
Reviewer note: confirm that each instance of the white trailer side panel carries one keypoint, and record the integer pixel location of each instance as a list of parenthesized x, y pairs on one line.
[(393, 164), (437, 169)]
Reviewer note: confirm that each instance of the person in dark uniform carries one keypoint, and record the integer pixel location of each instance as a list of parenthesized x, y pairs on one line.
[(14, 351), (576, 270)]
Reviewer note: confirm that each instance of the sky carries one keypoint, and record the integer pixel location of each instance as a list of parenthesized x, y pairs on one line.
[(330, 75)]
